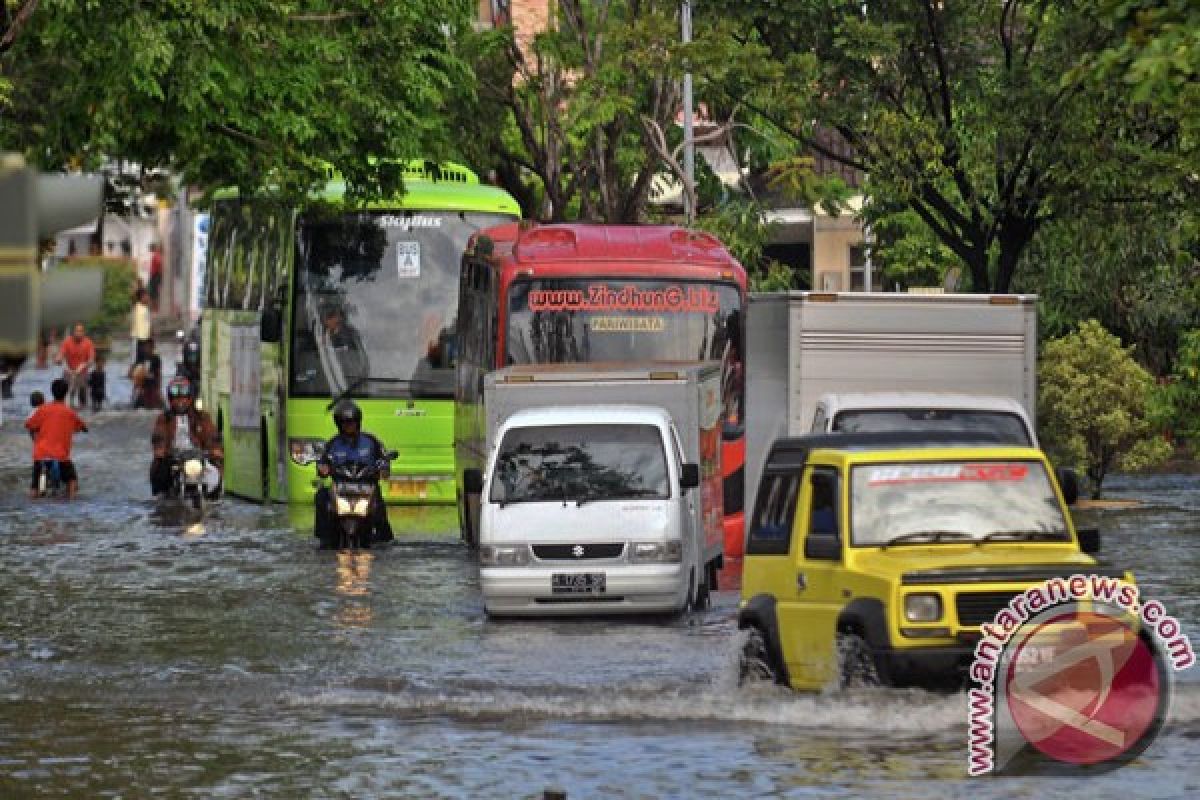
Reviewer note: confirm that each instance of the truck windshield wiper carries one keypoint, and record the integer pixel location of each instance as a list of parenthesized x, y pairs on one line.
[(921, 537), (1022, 536)]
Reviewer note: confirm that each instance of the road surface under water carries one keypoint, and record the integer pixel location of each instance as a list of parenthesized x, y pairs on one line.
[(144, 654)]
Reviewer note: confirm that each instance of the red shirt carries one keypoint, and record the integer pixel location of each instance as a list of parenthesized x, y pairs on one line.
[(52, 426), (76, 354)]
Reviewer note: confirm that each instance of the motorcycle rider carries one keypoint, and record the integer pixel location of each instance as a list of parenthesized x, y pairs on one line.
[(351, 445), (181, 427)]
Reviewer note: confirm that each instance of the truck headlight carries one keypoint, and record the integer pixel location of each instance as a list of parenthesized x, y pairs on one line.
[(193, 468), (922, 608), (668, 552), (503, 555), (306, 451), (361, 505), (343, 505)]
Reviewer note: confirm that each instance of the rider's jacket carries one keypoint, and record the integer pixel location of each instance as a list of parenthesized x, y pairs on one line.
[(200, 427), (361, 448)]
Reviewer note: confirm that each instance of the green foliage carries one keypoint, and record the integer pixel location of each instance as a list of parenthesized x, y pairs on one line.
[(1181, 395), (1133, 268), (243, 92), (905, 251), (119, 281), (973, 116), (740, 226), (1094, 405)]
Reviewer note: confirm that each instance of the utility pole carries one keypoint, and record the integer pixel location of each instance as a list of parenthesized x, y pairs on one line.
[(689, 147)]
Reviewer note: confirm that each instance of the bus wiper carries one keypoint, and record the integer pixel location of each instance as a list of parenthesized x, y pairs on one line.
[(1021, 536), (920, 537), (365, 379)]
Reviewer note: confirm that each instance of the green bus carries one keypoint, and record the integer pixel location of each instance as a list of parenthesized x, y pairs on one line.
[(339, 299)]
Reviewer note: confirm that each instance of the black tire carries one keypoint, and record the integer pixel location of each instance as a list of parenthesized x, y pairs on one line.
[(702, 599), (198, 500), (755, 664), (856, 664)]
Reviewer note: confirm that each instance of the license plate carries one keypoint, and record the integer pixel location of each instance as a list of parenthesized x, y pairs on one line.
[(577, 583), (417, 489), (1032, 656)]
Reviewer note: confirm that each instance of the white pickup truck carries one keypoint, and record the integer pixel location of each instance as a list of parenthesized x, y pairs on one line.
[(601, 491), (872, 412)]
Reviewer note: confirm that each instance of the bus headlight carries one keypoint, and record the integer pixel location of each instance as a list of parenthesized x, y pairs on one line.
[(503, 555), (922, 608), (668, 552), (306, 451)]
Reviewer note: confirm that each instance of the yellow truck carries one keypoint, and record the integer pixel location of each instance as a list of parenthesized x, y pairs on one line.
[(876, 557)]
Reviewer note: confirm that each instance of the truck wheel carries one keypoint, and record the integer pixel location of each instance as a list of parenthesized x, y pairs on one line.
[(754, 662), (702, 598), (856, 665)]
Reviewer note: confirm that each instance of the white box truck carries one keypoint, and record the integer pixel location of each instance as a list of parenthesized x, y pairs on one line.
[(863, 361), (601, 492)]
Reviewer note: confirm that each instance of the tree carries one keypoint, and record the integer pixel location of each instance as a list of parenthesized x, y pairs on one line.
[(1094, 405), (233, 91), (1182, 392), (580, 120), (972, 115)]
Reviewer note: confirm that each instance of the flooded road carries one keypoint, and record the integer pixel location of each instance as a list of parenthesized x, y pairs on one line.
[(142, 654)]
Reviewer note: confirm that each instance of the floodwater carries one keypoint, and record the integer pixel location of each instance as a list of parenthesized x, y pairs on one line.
[(143, 654)]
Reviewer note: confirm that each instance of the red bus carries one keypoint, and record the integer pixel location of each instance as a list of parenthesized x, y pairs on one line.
[(572, 293)]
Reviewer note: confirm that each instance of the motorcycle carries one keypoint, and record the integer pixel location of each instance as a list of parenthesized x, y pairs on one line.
[(192, 479), (352, 499), (189, 350), (49, 480)]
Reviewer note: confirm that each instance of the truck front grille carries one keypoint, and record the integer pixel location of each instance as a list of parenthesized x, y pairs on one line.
[(578, 552), (976, 608)]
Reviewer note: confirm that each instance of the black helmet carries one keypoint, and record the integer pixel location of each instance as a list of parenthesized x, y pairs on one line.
[(347, 411)]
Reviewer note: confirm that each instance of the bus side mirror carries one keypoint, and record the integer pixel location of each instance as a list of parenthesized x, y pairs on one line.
[(472, 481), (689, 476), (1089, 540), (270, 330), (1068, 481)]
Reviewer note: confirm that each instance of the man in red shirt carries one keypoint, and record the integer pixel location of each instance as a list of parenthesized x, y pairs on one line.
[(52, 426), (79, 354)]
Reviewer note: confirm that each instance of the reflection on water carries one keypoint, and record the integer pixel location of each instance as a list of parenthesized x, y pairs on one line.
[(353, 583), (143, 652)]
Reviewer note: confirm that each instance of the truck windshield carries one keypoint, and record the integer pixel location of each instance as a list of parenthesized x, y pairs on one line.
[(953, 501), (579, 463), (1007, 427), (376, 294)]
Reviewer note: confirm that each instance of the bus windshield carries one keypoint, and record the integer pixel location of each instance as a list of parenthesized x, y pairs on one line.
[(569, 320), (376, 294)]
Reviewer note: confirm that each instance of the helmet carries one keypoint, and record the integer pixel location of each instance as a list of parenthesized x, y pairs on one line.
[(180, 393), (347, 411)]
